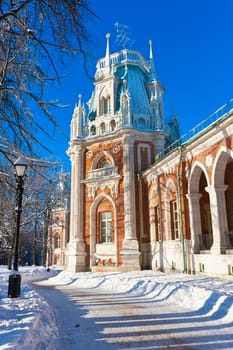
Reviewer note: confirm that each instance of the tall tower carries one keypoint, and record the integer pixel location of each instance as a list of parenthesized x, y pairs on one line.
[(115, 140)]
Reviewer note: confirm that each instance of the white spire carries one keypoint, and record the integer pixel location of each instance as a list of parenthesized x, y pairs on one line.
[(79, 100), (152, 66), (107, 56)]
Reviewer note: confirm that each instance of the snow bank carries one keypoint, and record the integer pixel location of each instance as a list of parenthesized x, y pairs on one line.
[(28, 321), (214, 296)]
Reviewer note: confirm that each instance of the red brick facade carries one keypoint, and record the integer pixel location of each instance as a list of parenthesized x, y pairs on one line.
[(135, 203), (198, 175)]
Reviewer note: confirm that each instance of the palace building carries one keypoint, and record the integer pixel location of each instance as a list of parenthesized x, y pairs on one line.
[(142, 197)]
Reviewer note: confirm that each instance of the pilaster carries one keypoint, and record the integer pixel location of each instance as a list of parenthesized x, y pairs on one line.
[(130, 247), (76, 248), (195, 220)]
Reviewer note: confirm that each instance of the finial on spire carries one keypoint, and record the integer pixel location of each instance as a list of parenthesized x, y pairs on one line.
[(79, 100), (151, 53)]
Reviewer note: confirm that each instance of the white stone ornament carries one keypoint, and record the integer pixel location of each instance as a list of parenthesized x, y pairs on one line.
[(89, 154), (116, 149), (209, 160)]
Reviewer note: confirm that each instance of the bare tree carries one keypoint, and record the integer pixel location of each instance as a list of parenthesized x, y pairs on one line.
[(7, 212), (42, 194), (34, 36)]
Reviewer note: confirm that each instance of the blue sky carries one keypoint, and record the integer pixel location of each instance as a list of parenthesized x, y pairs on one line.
[(193, 55)]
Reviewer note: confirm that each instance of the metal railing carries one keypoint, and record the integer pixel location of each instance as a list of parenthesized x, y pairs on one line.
[(124, 56), (203, 126)]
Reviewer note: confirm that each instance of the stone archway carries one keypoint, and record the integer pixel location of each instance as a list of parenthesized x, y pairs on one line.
[(154, 206), (199, 209), (206, 236), (223, 195), (156, 227)]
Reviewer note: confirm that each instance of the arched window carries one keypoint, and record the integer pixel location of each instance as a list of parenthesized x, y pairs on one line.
[(102, 128), (141, 123), (112, 125), (100, 158), (93, 130)]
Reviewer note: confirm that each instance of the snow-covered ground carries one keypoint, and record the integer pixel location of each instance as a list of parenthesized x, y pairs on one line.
[(28, 322), (28, 319)]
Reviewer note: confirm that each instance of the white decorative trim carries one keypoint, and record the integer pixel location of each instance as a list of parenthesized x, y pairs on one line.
[(113, 185), (209, 160)]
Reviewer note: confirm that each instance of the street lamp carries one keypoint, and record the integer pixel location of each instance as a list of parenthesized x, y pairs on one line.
[(15, 279), (48, 256)]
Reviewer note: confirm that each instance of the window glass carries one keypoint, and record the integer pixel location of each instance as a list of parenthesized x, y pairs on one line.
[(175, 219), (106, 227), (105, 164)]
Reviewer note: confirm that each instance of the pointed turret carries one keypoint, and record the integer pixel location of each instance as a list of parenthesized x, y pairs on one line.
[(77, 120), (155, 92), (125, 104)]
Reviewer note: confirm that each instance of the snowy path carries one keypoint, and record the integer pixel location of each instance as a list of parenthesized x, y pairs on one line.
[(98, 319)]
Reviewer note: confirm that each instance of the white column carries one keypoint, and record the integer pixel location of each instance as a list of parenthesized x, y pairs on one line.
[(129, 187), (76, 252), (130, 247), (76, 210), (195, 220), (72, 196), (219, 218)]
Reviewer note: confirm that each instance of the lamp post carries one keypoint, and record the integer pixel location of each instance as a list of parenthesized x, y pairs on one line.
[(15, 279), (48, 256)]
